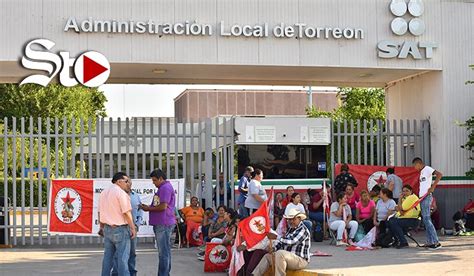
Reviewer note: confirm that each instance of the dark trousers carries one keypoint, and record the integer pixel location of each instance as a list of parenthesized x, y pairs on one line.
[(367, 224), (398, 226), (251, 258)]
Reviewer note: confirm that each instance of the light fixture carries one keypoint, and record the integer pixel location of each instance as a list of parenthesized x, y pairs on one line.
[(159, 71)]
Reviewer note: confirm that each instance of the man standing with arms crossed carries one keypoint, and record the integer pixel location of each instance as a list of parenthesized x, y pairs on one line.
[(117, 224), (162, 217), (427, 189)]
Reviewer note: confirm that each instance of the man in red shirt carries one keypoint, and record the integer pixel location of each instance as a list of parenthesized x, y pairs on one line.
[(315, 206)]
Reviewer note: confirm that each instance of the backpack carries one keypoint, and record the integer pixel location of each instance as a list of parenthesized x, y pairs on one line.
[(318, 235), (384, 240)]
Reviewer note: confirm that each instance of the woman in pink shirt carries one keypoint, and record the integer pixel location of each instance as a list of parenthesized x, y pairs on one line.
[(365, 210), (352, 198)]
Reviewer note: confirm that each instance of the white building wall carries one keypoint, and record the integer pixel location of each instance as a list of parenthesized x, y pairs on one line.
[(443, 97)]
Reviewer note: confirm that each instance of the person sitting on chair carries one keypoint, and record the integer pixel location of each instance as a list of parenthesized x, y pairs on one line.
[(341, 219), (407, 216), (193, 216), (291, 250), (385, 207), (365, 211)]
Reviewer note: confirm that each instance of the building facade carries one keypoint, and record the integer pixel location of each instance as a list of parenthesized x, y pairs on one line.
[(192, 104)]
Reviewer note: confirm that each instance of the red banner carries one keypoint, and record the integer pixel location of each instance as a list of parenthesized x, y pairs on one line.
[(369, 176), (71, 204), (217, 257)]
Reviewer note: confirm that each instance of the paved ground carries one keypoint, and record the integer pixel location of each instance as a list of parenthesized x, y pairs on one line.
[(456, 258)]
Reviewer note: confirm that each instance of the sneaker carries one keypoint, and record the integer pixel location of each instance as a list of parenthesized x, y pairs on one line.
[(201, 258), (435, 246), (341, 243), (200, 254), (202, 248), (401, 245)]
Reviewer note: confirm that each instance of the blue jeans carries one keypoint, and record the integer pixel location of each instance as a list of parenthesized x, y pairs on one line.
[(431, 235), (317, 216), (308, 225), (163, 244), (131, 260), (116, 243), (397, 226)]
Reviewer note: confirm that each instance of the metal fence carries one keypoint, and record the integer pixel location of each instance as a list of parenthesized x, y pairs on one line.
[(35, 151), (380, 142)]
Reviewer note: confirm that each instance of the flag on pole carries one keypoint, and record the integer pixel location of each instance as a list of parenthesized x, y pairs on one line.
[(326, 199), (271, 206), (255, 227), (237, 261)]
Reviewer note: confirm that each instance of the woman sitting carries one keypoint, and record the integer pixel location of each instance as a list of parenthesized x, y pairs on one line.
[(340, 219), (365, 211), (278, 210), (230, 218), (352, 198), (193, 216), (217, 229), (407, 216), (385, 207), (296, 204)]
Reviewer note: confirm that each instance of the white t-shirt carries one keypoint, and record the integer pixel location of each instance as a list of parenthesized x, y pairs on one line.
[(255, 188), (298, 207), (426, 178)]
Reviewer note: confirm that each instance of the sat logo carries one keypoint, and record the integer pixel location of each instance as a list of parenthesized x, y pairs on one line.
[(407, 20), (90, 69)]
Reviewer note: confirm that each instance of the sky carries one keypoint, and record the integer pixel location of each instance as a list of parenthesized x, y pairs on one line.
[(144, 100)]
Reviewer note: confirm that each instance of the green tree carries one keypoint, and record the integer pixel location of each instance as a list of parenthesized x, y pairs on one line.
[(357, 103), (469, 124), (54, 101)]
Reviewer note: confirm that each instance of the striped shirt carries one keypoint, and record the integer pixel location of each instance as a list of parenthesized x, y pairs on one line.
[(297, 241)]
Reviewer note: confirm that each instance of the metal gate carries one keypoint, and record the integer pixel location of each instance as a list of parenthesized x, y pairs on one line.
[(379, 142), (35, 151)]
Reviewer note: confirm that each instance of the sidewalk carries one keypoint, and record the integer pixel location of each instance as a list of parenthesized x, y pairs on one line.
[(455, 258)]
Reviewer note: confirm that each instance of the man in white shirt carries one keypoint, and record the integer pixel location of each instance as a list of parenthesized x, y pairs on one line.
[(427, 187)]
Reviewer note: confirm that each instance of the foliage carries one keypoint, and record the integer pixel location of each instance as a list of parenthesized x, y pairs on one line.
[(32, 105), (469, 124)]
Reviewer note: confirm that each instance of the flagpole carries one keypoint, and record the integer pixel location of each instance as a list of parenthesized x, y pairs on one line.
[(324, 210)]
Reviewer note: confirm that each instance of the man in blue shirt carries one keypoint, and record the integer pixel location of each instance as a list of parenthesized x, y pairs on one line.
[(137, 216), (243, 190)]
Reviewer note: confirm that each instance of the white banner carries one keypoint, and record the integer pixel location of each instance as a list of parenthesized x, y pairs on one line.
[(145, 189)]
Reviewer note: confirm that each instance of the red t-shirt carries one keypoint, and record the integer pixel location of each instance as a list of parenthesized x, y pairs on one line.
[(285, 201), (317, 197)]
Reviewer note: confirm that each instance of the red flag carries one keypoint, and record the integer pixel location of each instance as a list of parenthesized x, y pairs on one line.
[(237, 261), (217, 257), (369, 176), (71, 206), (193, 234), (255, 227)]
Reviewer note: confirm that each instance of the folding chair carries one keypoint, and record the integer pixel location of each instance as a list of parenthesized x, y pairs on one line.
[(408, 234)]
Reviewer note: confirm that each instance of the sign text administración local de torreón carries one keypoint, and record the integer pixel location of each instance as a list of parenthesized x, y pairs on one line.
[(192, 28), (386, 49)]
